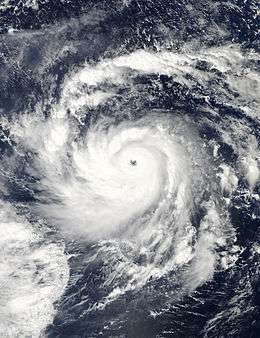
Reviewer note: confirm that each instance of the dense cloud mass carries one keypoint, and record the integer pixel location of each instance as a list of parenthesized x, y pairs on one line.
[(130, 169)]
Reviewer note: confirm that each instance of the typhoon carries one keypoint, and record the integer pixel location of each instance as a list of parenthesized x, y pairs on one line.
[(130, 170)]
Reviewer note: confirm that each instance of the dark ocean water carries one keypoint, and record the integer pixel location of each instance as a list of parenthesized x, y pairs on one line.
[(173, 87)]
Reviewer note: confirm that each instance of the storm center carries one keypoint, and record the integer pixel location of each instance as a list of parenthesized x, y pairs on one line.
[(133, 162)]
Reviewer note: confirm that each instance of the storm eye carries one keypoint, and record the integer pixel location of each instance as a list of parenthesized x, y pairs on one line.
[(133, 162)]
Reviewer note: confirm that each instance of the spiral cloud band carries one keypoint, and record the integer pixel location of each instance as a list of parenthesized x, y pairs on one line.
[(142, 188)]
